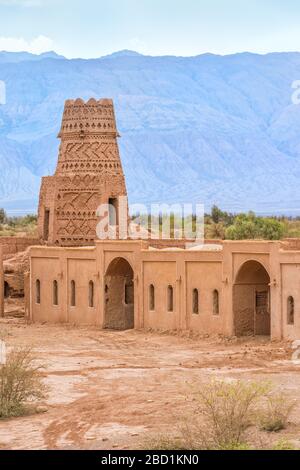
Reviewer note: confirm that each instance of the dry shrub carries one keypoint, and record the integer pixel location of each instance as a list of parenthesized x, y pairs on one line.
[(223, 412), (276, 412), (163, 442), (283, 444), (20, 383)]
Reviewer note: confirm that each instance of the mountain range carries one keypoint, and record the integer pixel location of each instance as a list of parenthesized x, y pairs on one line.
[(207, 129)]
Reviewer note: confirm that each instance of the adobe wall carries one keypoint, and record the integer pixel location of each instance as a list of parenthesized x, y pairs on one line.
[(13, 245), (15, 268), (184, 271), (63, 265), (286, 284), (209, 271)]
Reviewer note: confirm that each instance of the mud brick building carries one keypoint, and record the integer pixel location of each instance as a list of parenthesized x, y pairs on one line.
[(229, 288)]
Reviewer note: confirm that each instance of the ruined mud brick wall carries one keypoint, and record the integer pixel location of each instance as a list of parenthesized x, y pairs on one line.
[(14, 270), (15, 263), (290, 244), (13, 245), (88, 173)]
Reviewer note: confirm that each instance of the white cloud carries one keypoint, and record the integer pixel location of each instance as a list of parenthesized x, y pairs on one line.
[(35, 46)]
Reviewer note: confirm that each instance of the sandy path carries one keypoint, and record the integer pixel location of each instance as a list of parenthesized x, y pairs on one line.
[(111, 389)]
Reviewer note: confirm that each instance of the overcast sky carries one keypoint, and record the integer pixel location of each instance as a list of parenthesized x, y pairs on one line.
[(93, 28)]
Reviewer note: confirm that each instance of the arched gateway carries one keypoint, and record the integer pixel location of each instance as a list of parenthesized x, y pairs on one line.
[(119, 296), (251, 300)]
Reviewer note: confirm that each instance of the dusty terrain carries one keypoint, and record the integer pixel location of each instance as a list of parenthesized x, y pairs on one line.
[(113, 389)]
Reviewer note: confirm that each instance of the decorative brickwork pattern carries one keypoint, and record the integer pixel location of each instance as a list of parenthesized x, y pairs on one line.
[(88, 173)]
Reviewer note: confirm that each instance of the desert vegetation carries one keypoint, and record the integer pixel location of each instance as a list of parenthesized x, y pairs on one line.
[(221, 225), (218, 224), (17, 226), (248, 226), (20, 383), (225, 415)]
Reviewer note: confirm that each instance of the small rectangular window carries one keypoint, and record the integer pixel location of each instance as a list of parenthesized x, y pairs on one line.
[(46, 224), (216, 303), (55, 293), (113, 211), (38, 291), (170, 299), (195, 302), (73, 294), (91, 294), (151, 298), (291, 311), (262, 300)]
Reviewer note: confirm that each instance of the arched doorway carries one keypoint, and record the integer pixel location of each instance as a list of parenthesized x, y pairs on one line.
[(251, 300), (119, 296)]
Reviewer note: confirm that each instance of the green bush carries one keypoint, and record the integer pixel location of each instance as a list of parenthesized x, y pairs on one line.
[(20, 383), (250, 227)]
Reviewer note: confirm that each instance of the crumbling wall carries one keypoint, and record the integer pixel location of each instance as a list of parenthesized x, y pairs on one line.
[(14, 270), (118, 314), (251, 300), (11, 246), (289, 244), (248, 319), (119, 296)]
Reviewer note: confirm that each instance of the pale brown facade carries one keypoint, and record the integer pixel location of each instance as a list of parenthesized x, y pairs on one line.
[(228, 288), (236, 288)]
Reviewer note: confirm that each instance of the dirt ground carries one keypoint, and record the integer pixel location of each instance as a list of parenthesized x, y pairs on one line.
[(109, 389)]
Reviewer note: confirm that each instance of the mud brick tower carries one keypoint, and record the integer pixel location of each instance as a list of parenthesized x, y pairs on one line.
[(88, 173)]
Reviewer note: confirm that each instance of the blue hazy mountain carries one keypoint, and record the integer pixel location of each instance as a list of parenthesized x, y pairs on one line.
[(208, 129), (15, 57)]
